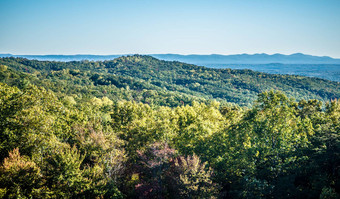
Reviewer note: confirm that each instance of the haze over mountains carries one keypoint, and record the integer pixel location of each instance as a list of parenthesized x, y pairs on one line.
[(297, 58), (295, 64)]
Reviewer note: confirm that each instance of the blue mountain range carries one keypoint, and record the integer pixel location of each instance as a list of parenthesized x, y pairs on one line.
[(297, 58)]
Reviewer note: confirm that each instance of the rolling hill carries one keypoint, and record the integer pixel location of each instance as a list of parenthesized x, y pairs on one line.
[(187, 82)]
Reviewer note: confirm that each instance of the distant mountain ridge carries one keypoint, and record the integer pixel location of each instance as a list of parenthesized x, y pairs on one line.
[(297, 58)]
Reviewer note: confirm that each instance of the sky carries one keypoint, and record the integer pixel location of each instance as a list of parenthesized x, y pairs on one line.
[(105, 27)]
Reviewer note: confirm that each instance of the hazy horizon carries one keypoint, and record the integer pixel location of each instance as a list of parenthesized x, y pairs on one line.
[(164, 54), (105, 27)]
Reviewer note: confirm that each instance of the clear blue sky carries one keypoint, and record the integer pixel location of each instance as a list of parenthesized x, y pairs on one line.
[(173, 26)]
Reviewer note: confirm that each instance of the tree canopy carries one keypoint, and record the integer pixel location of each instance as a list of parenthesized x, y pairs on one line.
[(138, 127)]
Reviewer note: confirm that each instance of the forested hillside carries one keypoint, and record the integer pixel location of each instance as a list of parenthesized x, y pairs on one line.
[(139, 74), (138, 127)]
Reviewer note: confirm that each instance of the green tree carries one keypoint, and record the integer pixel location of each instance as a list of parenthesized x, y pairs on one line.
[(193, 178)]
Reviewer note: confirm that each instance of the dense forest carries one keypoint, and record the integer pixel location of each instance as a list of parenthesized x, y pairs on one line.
[(139, 127), (149, 80)]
